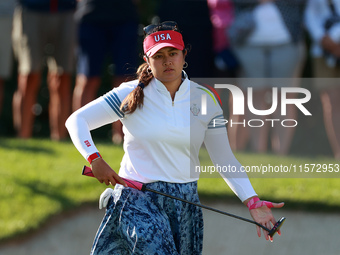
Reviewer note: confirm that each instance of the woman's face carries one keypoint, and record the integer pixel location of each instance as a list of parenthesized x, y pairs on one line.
[(167, 65)]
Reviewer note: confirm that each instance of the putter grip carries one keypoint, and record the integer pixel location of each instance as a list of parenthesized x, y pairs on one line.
[(132, 184)]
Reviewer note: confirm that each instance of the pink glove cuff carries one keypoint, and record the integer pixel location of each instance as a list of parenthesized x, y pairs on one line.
[(254, 203)]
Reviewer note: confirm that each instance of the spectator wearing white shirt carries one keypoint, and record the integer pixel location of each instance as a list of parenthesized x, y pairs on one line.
[(274, 48), (326, 53)]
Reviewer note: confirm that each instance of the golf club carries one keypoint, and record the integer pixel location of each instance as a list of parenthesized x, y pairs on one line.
[(142, 187)]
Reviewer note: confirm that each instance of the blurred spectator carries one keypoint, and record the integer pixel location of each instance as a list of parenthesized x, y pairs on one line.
[(222, 15), (272, 48), (43, 29), (106, 27), (323, 24), (6, 17), (194, 20)]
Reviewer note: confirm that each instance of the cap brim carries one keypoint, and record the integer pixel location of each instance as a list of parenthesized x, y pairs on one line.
[(159, 46)]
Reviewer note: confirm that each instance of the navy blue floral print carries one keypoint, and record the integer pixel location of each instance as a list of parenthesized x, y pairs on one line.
[(147, 223)]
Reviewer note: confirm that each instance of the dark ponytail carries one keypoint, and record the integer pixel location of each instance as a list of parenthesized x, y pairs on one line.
[(136, 97)]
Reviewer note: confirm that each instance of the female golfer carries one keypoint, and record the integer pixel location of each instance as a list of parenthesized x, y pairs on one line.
[(164, 128)]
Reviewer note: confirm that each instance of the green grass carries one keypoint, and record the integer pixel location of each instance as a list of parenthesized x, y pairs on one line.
[(41, 178), (299, 190)]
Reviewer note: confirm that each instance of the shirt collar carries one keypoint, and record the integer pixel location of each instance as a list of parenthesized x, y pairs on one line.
[(182, 88)]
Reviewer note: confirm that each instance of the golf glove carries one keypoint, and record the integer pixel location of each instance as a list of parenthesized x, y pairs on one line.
[(104, 198)]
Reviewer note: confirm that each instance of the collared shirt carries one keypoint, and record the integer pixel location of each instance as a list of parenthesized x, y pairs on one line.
[(163, 138)]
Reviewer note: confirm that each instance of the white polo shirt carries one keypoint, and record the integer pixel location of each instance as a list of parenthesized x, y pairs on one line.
[(162, 139)]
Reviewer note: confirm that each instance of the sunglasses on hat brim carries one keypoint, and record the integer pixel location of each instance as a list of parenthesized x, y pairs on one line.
[(166, 25)]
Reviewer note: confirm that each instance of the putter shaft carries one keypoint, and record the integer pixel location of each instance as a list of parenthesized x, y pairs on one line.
[(209, 208), (141, 186)]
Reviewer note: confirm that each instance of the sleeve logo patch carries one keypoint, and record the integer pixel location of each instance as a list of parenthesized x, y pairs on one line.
[(87, 143)]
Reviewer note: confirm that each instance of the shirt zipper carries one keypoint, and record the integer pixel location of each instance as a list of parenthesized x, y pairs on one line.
[(174, 113)]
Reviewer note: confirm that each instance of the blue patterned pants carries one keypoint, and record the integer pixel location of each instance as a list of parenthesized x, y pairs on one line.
[(146, 223)]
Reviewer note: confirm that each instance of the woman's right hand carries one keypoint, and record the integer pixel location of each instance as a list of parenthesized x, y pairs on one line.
[(104, 173)]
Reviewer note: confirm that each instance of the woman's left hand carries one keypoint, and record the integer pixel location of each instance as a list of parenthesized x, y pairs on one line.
[(264, 216)]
